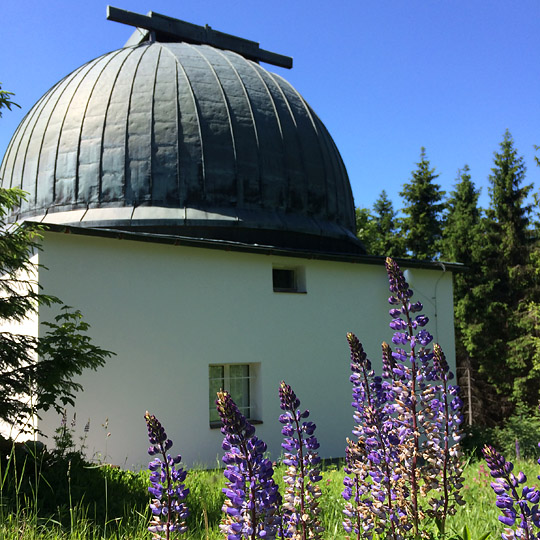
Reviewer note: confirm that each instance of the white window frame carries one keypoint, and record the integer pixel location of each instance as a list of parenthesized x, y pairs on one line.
[(226, 382)]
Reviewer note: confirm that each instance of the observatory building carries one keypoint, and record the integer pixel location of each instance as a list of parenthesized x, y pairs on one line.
[(199, 214)]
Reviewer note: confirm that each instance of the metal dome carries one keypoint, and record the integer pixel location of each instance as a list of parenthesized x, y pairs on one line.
[(184, 139)]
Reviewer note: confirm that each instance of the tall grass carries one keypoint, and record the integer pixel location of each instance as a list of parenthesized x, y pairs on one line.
[(21, 521)]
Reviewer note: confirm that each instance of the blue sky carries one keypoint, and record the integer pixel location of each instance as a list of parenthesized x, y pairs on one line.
[(386, 76)]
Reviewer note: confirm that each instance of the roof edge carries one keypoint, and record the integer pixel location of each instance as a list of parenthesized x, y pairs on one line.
[(226, 245)]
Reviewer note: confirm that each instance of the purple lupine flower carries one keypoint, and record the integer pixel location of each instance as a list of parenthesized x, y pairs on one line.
[(442, 413), (398, 286), (409, 366), (371, 507), (300, 501), (520, 512), (388, 362), (253, 499), (429, 409), (169, 512), (407, 459)]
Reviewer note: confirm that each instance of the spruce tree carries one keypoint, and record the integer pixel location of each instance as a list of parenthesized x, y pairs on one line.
[(388, 240), (462, 242), (509, 214), (461, 234), (524, 343), (495, 333), (365, 229), (422, 226)]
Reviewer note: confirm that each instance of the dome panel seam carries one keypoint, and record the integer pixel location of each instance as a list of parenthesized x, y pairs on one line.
[(104, 126), (226, 103), (198, 117), (110, 58), (127, 169)]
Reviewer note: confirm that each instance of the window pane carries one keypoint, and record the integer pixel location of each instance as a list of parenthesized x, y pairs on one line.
[(239, 387), (216, 383), (217, 372), (237, 371), (235, 379)]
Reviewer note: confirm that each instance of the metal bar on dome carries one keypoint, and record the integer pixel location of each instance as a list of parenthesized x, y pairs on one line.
[(170, 28)]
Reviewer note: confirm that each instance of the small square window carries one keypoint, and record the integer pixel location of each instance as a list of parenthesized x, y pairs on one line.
[(239, 381), (288, 279), (283, 279)]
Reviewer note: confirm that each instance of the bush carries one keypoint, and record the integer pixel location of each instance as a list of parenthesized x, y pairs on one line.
[(474, 439), (52, 484), (520, 434)]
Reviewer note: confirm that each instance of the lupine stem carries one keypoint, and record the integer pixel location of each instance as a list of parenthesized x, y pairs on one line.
[(357, 500), (252, 492), (416, 434), (446, 452), (301, 506), (169, 500), (302, 475), (385, 453)]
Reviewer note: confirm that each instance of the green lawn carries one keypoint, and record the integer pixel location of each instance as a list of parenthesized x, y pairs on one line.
[(479, 514)]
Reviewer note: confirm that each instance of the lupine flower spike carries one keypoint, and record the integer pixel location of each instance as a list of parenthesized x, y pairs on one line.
[(429, 407), (442, 419), (371, 502), (253, 500), (405, 422), (169, 512), (519, 510), (300, 501)]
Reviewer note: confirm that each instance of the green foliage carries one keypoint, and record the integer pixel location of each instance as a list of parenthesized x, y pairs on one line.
[(466, 535), (205, 498), (27, 385), (508, 213), (462, 228), (462, 241), (378, 230), (388, 241), (519, 435), (365, 228), (475, 437), (422, 226), (478, 516), (495, 336), (524, 353), (496, 299), (5, 100), (64, 436), (52, 485)]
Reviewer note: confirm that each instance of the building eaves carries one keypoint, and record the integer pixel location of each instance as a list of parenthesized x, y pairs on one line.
[(225, 245)]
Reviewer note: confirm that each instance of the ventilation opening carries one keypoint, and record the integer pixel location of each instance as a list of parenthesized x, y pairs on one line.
[(290, 280)]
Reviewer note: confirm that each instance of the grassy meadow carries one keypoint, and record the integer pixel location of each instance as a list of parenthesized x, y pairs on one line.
[(111, 516)]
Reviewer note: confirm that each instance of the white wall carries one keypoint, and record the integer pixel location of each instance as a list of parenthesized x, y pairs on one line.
[(170, 311)]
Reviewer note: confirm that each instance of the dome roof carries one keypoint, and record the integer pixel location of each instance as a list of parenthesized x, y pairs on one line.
[(183, 139)]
